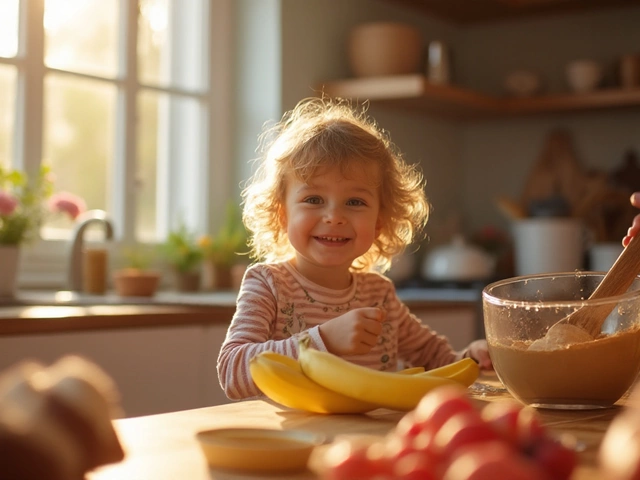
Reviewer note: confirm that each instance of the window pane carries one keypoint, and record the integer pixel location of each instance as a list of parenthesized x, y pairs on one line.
[(8, 79), (9, 28), (79, 118), (146, 171), (82, 36), (170, 158), (172, 43)]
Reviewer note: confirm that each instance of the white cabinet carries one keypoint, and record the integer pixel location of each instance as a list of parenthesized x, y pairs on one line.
[(156, 370), (213, 338)]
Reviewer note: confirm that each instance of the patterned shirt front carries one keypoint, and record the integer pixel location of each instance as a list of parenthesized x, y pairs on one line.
[(276, 304)]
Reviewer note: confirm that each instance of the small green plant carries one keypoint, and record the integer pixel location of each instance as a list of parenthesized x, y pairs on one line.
[(229, 242), (138, 257), (181, 250)]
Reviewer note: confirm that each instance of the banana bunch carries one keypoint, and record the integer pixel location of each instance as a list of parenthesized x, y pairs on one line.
[(352, 390), (384, 389), (281, 379), (464, 371)]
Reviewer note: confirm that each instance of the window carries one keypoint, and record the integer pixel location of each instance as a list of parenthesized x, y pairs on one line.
[(121, 97)]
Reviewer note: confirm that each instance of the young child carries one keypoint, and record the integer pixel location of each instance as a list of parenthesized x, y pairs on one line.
[(330, 203)]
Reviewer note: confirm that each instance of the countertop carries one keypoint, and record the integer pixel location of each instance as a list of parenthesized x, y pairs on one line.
[(164, 446), (50, 311)]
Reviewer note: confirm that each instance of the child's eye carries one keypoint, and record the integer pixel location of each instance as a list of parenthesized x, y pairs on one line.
[(355, 202), (313, 200)]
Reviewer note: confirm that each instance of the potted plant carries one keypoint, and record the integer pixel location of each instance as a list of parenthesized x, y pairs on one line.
[(137, 278), (184, 256), (224, 252), (25, 204)]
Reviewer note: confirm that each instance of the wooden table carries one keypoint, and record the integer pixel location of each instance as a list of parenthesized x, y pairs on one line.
[(163, 447)]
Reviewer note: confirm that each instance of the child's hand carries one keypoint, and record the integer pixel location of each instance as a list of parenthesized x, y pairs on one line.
[(354, 333), (635, 225), (479, 351)]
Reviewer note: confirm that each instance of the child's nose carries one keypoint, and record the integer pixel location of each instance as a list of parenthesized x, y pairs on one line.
[(334, 215)]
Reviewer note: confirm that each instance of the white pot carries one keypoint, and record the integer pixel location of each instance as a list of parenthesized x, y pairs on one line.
[(458, 261)]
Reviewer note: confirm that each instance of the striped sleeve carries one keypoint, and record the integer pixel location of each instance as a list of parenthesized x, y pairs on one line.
[(417, 343), (252, 331)]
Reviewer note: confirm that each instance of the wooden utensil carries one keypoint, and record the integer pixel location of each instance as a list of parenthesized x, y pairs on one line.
[(616, 282)]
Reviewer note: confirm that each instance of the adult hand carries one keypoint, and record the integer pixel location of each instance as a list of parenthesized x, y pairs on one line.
[(635, 225), (354, 333)]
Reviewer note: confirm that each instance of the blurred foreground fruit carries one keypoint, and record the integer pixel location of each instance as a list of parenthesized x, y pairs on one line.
[(447, 438)]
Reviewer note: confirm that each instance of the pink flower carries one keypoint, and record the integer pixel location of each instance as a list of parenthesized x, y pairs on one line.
[(65, 202), (8, 203)]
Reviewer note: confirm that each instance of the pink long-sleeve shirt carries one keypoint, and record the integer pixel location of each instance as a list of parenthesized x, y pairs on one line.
[(276, 304)]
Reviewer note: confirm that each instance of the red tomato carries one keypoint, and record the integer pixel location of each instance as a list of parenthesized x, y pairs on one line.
[(503, 417), (398, 446), (435, 409), (462, 429), (530, 428), (346, 460), (416, 466), (408, 426), (492, 461), (554, 458)]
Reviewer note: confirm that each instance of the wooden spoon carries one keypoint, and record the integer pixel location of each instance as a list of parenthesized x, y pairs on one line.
[(586, 322)]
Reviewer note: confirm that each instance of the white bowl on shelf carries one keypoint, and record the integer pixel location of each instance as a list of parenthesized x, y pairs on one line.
[(584, 75)]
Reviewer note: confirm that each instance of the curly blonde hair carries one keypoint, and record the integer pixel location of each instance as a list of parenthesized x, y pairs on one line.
[(321, 132)]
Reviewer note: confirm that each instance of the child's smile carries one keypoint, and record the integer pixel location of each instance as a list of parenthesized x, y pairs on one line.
[(332, 220), (332, 240)]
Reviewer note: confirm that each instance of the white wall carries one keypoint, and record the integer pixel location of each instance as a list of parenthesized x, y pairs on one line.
[(545, 45), (466, 165)]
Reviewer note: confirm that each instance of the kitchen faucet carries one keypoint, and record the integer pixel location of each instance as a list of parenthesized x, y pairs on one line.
[(75, 258)]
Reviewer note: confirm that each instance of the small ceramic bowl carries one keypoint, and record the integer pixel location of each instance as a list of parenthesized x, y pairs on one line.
[(258, 449), (522, 83)]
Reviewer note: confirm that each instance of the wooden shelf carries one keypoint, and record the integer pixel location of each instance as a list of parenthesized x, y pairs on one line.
[(465, 12), (414, 92)]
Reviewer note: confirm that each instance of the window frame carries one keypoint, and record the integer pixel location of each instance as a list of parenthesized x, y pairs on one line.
[(44, 264)]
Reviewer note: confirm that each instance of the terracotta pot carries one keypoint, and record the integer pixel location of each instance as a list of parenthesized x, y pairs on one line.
[(187, 281), (136, 283), (384, 48)]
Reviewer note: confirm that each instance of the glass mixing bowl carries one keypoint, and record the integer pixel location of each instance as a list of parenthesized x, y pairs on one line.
[(592, 373)]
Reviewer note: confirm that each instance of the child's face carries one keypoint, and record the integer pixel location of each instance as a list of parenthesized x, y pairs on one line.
[(332, 220)]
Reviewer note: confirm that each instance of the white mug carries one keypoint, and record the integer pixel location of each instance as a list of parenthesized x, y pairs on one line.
[(603, 255)]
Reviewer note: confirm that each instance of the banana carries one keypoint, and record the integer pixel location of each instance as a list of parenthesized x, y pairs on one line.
[(281, 379), (386, 389), (411, 371), (463, 371)]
